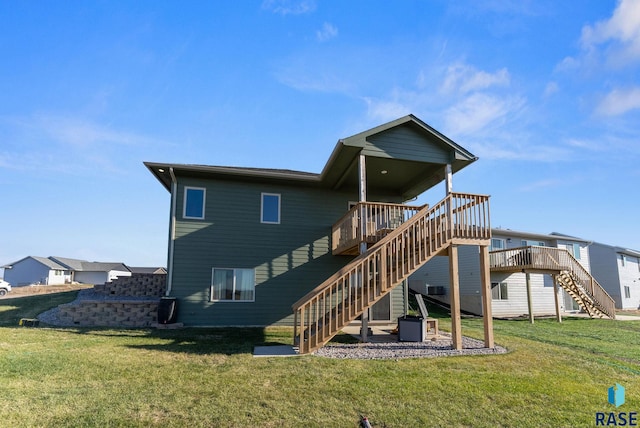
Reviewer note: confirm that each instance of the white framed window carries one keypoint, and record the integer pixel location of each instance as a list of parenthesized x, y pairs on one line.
[(497, 244), (574, 249), (627, 292), (194, 202), (527, 243), (233, 285), (622, 259), (270, 208), (499, 291)]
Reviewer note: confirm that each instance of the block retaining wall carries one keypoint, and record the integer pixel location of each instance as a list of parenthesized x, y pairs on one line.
[(125, 302)]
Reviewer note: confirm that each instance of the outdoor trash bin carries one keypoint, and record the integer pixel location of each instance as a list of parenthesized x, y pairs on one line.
[(412, 329), (167, 310)]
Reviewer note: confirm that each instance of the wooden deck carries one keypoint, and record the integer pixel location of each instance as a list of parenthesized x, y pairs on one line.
[(565, 269)]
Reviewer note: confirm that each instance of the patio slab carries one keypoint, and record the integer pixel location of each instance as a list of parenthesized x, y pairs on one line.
[(274, 351)]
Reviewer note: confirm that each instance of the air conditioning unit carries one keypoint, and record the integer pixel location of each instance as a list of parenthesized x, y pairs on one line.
[(435, 290)]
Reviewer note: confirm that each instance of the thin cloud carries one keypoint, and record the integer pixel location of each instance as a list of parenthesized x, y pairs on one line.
[(618, 102), (68, 144), (478, 110), (550, 89), (289, 7), (463, 78), (327, 32)]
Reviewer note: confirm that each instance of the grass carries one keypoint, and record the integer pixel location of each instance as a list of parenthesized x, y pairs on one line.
[(555, 375)]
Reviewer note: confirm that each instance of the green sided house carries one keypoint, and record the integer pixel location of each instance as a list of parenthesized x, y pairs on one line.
[(259, 247)]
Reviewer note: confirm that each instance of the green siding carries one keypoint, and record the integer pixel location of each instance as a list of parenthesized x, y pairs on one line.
[(289, 259), (407, 144)]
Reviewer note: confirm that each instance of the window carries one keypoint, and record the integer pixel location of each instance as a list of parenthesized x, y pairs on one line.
[(627, 292), (622, 259), (270, 208), (574, 249), (194, 198), (499, 291), (236, 285), (526, 243), (497, 244)]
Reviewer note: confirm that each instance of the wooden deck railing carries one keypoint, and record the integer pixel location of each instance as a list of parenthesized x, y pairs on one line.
[(378, 219), (554, 260), (344, 296)]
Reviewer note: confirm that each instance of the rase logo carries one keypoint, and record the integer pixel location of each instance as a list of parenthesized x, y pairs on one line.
[(619, 419)]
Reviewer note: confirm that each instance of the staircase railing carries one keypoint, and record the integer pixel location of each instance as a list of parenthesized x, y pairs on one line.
[(555, 260), (344, 296)]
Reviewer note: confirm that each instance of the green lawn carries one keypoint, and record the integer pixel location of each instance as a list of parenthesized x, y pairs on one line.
[(555, 375)]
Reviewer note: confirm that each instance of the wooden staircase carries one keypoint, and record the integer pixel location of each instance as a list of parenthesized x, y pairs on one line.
[(574, 278), (323, 312)]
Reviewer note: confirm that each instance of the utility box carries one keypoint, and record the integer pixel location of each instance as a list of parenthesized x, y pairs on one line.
[(412, 329)]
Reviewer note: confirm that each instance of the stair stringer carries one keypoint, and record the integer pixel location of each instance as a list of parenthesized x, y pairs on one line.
[(323, 312)]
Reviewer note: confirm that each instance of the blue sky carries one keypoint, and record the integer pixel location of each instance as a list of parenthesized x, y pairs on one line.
[(546, 93)]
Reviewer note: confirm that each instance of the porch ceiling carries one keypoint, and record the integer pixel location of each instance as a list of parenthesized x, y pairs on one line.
[(393, 176)]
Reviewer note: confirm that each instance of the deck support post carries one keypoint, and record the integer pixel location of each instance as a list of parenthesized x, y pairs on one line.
[(529, 302), (487, 313), (557, 298), (448, 179), (362, 196), (456, 330)]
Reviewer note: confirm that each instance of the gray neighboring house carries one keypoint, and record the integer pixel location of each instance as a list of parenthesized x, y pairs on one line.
[(61, 270), (37, 270), (617, 269), (93, 272)]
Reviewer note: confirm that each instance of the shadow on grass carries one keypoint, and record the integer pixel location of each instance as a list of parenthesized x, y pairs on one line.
[(197, 341)]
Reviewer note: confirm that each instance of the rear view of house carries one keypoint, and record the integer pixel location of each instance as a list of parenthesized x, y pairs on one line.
[(246, 245)]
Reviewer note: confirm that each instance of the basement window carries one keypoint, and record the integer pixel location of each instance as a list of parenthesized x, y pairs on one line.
[(233, 285), (499, 291), (194, 198)]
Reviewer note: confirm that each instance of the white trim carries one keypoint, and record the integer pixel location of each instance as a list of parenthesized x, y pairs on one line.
[(172, 230), (262, 195), (211, 299), (184, 202)]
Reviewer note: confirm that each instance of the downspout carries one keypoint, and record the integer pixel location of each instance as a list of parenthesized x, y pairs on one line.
[(172, 231)]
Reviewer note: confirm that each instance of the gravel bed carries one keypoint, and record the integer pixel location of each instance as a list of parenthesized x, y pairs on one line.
[(52, 316), (397, 350)]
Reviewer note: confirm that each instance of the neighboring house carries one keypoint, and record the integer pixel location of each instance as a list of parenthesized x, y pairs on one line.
[(60, 270), (257, 247), (36, 270), (93, 272), (526, 275), (618, 271)]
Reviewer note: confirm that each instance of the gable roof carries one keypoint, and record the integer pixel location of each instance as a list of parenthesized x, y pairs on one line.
[(85, 266), (404, 156), (51, 264), (147, 270), (553, 236)]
